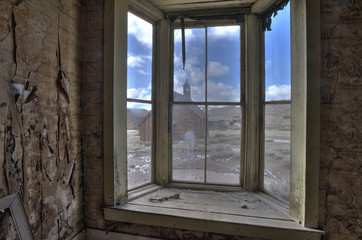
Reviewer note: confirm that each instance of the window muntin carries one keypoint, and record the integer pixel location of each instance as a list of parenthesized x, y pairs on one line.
[(277, 108), (139, 101), (210, 119)]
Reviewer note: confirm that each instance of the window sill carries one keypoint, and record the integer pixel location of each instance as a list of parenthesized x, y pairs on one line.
[(232, 213)]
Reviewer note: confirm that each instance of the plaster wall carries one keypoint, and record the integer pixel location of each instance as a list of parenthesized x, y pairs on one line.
[(40, 114)]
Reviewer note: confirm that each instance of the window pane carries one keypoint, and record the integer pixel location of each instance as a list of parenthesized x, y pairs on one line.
[(223, 145), (189, 83), (188, 143), (223, 64), (139, 136), (139, 58), (277, 58), (277, 150)]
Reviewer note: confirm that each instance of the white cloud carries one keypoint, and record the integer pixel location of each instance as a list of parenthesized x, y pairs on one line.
[(216, 69), (135, 61), (140, 71), (220, 92), (189, 35), (215, 33), (139, 93), (140, 29), (278, 92)]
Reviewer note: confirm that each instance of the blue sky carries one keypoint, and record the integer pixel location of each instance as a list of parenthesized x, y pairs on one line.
[(139, 58), (223, 61), (277, 57)]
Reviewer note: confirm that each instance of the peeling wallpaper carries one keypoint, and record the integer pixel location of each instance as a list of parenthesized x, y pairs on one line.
[(40, 77)]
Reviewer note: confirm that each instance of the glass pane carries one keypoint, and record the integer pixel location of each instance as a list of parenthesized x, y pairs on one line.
[(188, 143), (139, 58), (139, 136), (189, 83), (277, 58), (223, 64), (223, 145), (277, 150)]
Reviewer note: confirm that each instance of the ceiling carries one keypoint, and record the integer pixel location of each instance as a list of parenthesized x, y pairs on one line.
[(180, 6)]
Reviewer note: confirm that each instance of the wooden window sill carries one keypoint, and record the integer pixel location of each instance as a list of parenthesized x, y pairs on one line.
[(232, 213)]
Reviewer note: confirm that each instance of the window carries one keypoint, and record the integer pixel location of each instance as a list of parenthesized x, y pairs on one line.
[(251, 105), (206, 125), (139, 101), (277, 107)]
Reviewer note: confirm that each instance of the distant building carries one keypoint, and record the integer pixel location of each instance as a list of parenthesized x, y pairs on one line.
[(185, 118)]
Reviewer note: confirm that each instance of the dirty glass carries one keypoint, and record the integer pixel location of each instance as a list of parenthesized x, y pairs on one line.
[(277, 58), (188, 143), (277, 150), (193, 76), (139, 105), (223, 144), (223, 64), (139, 58), (139, 139)]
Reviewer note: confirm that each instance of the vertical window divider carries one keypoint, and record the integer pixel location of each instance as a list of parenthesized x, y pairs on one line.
[(206, 108), (242, 103)]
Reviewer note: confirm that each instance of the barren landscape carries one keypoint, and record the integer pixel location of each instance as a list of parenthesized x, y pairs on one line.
[(223, 154)]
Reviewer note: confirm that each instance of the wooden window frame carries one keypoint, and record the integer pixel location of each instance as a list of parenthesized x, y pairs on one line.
[(15, 205), (241, 103), (305, 68)]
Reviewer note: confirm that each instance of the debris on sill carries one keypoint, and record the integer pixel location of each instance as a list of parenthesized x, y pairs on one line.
[(176, 196)]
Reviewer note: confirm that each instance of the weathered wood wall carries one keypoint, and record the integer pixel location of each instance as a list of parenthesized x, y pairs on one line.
[(40, 114), (340, 212)]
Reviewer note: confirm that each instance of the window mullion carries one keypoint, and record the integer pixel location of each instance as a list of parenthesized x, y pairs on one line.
[(161, 161), (206, 108), (253, 30)]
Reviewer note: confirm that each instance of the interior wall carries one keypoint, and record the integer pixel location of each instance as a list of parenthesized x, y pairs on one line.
[(40, 114), (341, 120)]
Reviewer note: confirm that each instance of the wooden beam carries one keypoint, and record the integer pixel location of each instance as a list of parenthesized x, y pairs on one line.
[(162, 89), (305, 137), (147, 9), (252, 33), (261, 6), (114, 102)]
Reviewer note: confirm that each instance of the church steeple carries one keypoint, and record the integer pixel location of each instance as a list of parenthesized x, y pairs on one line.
[(187, 89)]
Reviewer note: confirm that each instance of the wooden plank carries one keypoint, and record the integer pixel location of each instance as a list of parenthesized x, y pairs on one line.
[(146, 9), (237, 210), (253, 31), (298, 108), (20, 218), (168, 2), (215, 202), (196, 186), (115, 100), (95, 234), (261, 6), (188, 7), (210, 222), (162, 86), (14, 203)]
